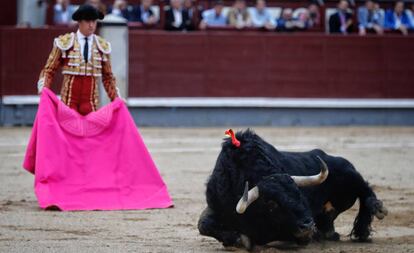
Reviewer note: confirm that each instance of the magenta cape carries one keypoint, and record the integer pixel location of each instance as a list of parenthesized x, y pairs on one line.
[(93, 162)]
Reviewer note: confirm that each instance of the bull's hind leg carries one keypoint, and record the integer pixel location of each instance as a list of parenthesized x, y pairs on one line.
[(209, 225), (369, 206)]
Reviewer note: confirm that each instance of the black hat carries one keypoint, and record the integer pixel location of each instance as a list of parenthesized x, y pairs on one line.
[(87, 12)]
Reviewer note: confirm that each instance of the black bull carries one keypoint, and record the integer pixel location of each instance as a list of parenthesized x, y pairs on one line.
[(281, 209)]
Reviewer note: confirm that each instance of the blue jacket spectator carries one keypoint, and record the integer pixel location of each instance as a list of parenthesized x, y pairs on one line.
[(286, 23), (122, 9), (392, 21), (261, 16), (143, 13), (398, 19), (213, 17), (370, 17)]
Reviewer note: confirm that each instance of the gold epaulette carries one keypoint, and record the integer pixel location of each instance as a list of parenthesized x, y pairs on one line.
[(65, 41), (103, 45)]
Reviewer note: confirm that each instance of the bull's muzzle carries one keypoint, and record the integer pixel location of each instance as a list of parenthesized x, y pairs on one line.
[(250, 196)]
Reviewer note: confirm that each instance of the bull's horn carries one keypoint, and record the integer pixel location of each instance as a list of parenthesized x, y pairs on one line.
[(302, 181), (247, 198)]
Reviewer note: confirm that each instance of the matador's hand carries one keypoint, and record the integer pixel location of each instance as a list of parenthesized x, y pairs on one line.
[(118, 93), (40, 85)]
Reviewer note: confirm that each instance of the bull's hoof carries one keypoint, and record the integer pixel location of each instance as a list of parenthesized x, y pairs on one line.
[(362, 239), (329, 236), (304, 237), (378, 209), (303, 241), (245, 242), (381, 212), (333, 237), (361, 236)]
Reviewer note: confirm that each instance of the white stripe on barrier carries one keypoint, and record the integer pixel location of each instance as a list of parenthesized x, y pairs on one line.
[(244, 102), (271, 102), (21, 100)]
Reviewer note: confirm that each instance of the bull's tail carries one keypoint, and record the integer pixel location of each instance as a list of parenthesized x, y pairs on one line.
[(369, 206)]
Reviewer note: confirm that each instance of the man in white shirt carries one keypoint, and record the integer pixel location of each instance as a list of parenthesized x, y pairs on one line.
[(143, 14), (261, 17), (63, 12), (214, 17)]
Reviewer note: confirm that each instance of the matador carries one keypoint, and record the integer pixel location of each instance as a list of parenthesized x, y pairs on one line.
[(84, 58)]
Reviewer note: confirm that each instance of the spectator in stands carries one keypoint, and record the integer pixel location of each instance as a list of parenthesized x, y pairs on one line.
[(120, 8), (98, 5), (380, 11), (341, 21), (189, 7), (63, 11), (238, 16), (176, 17), (286, 22), (214, 17), (143, 14), (302, 17), (370, 18), (261, 16), (398, 19), (193, 12), (314, 15)]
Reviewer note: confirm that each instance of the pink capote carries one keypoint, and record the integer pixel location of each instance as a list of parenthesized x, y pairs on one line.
[(92, 162)]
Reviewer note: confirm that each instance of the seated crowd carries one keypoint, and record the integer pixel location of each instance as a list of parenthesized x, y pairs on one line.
[(183, 15), (372, 19)]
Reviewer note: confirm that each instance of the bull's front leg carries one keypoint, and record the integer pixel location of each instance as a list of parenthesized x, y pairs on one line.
[(210, 225)]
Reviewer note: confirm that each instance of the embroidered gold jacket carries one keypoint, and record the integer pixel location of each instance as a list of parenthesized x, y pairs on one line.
[(66, 54)]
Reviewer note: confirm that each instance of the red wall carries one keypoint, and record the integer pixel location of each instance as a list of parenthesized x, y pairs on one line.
[(249, 64), (228, 63)]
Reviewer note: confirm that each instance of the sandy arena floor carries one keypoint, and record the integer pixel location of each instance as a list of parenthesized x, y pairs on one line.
[(185, 157)]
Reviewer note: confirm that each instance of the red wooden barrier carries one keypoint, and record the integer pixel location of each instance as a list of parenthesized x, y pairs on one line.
[(23, 54), (231, 63), (254, 64)]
